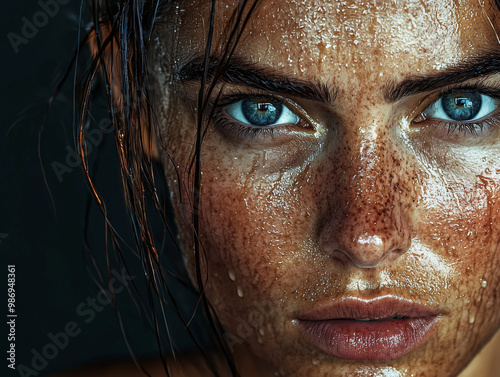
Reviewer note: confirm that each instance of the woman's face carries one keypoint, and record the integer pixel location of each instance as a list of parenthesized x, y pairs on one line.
[(350, 172)]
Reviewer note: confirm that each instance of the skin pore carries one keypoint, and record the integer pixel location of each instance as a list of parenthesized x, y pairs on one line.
[(363, 192)]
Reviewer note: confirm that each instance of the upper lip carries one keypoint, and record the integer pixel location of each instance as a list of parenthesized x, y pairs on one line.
[(376, 308)]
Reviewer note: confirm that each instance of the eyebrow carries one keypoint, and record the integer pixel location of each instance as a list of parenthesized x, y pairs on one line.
[(242, 72), (471, 68)]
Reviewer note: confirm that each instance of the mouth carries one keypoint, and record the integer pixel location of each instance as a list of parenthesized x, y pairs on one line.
[(381, 329)]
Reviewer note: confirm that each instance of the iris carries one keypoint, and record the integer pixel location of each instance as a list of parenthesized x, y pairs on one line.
[(461, 106), (261, 113)]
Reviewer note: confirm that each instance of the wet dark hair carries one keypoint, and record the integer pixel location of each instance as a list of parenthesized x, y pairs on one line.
[(121, 37)]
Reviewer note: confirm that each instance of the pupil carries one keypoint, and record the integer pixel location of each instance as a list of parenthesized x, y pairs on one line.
[(463, 102), (462, 106), (263, 113)]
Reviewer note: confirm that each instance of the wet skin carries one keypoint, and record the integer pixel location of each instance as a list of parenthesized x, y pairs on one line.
[(368, 195)]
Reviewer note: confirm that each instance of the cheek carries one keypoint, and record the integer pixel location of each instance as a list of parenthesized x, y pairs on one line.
[(256, 211), (462, 221), (261, 256), (253, 231)]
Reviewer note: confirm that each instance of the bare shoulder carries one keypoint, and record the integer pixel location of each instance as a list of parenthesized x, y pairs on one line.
[(186, 365)]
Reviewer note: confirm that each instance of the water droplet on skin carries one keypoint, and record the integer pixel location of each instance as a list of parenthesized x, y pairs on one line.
[(240, 291), (484, 283), (232, 275), (472, 319), (315, 361)]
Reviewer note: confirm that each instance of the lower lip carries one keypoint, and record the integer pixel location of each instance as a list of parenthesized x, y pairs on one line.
[(371, 340)]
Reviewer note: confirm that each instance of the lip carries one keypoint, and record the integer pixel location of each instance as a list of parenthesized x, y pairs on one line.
[(339, 330)]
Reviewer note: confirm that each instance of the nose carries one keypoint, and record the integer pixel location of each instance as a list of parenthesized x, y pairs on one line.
[(366, 221), (363, 242)]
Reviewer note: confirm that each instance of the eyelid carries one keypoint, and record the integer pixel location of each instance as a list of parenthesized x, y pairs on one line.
[(286, 116), (437, 111), (238, 94), (460, 131), (480, 87), (262, 136)]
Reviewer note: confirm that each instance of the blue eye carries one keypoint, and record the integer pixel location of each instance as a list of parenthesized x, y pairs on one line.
[(461, 106), (261, 112)]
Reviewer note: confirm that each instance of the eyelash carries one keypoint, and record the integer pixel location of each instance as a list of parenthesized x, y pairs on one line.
[(470, 128)]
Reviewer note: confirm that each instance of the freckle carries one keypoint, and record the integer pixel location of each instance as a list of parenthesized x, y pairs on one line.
[(484, 283), (472, 319), (315, 361), (240, 291), (232, 275)]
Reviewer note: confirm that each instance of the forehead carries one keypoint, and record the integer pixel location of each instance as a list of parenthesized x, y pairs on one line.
[(314, 37)]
